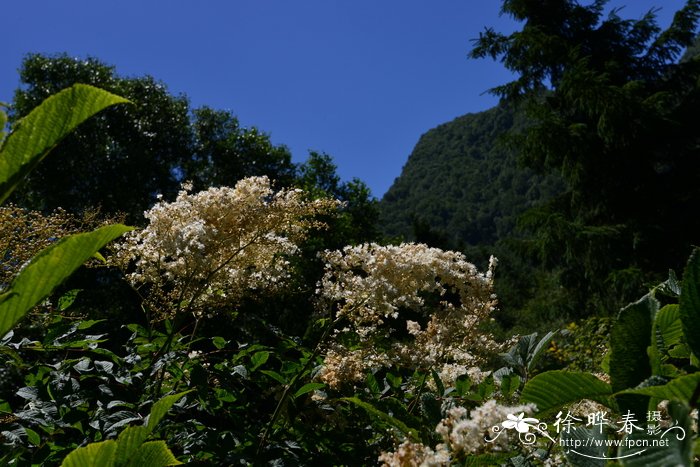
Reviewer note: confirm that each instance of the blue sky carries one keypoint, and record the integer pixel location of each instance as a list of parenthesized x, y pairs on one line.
[(360, 80)]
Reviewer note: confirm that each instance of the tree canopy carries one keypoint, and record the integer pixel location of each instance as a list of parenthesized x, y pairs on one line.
[(137, 152), (613, 110)]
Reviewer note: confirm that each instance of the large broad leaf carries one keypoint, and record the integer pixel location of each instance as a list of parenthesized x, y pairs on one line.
[(44, 127), (161, 408), (630, 339), (553, 389), (153, 454), (667, 334), (680, 389), (131, 448), (132, 439), (92, 455), (690, 303), (50, 268), (670, 447)]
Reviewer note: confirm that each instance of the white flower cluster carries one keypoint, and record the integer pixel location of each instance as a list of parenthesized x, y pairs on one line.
[(213, 246), (375, 289), (410, 454), (463, 433)]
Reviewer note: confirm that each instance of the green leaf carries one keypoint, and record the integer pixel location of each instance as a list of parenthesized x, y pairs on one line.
[(153, 454), (128, 442), (385, 417), (67, 299), (308, 387), (161, 407), (553, 389), (49, 268), (438, 382), (372, 384), (131, 439), (509, 384), (44, 127), (219, 342), (690, 302), (668, 326), (258, 359), (92, 455), (33, 437), (535, 353), (630, 339), (274, 375), (672, 451), (682, 389)]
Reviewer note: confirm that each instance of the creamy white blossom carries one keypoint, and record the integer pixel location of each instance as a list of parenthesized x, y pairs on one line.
[(380, 291), (217, 245), (464, 433)]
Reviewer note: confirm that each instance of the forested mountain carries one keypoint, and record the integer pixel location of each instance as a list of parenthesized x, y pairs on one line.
[(585, 191), (462, 185)]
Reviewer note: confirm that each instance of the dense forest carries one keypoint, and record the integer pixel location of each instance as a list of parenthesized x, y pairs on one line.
[(175, 290)]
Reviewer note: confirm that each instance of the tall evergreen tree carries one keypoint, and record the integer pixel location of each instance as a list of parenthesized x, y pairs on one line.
[(615, 112)]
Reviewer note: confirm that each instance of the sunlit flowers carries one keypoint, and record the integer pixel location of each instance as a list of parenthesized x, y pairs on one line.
[(430, 303), (215, 246)]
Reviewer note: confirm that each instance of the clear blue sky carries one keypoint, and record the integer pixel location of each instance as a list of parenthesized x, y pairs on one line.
[(360, 80)]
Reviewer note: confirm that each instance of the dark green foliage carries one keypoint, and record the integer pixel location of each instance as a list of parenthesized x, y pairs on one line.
[(134, 153), (605, 115), (118, 161), (690, 303), (613, 112), (464, 183), (358, 219), (224, 152), (464, 188)]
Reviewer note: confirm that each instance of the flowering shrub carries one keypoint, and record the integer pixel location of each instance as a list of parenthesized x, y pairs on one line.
[(211, 247), (409, 304), (462, 434)]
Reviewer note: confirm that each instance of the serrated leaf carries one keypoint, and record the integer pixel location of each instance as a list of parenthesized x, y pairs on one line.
[(44, 127), (153, 454), (92, 455), (630, 336), (438, 382), (682, 389), (308, 387), (372, 384), (669, 326), (630, 339), (50, 268), (553, 389), (690, 303), (128, 442)]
